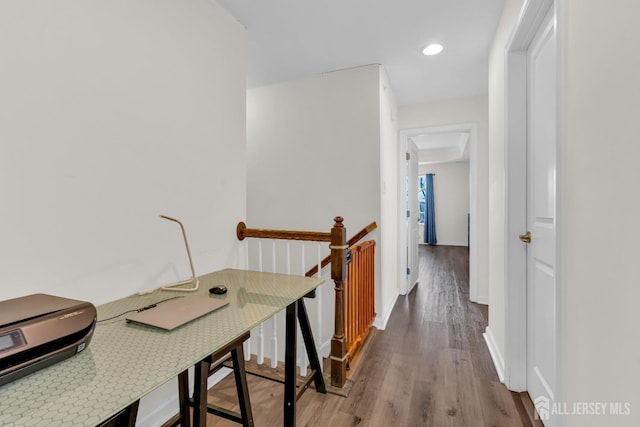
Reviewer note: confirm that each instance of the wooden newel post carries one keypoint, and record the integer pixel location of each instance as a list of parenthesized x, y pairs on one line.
[(338, 275)]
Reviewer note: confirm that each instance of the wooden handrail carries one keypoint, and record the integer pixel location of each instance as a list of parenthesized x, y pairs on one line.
[(352, 241), (312, 236)]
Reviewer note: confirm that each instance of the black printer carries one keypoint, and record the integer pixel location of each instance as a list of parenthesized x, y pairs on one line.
[(39, 330)]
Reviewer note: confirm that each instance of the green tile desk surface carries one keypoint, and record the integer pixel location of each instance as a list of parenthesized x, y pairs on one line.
[(125, 361)]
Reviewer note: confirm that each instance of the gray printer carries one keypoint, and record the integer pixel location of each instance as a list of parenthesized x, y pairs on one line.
[(39, 330)]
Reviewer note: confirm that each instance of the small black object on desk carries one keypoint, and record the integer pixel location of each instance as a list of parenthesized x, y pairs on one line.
[(218, 290)]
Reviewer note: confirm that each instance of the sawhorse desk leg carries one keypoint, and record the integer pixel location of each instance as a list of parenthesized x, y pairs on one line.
[(199, 402), (298, 312)]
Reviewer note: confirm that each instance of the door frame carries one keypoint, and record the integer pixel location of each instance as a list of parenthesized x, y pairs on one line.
[(411, 277), (515, 354), (404, 136)]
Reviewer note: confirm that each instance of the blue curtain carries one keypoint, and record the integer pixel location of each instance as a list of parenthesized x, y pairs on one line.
[(430, 212)]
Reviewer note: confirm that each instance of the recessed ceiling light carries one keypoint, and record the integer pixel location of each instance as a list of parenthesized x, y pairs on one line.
[(432, 49)]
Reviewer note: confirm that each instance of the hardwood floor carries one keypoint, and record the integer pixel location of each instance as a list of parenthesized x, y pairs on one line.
[(429, 367)]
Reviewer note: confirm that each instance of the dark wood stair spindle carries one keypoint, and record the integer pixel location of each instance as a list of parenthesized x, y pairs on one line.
[(338, 275)]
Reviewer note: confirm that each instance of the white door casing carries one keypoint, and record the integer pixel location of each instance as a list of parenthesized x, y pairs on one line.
[(474, 202), (541, 220), (530, 23)]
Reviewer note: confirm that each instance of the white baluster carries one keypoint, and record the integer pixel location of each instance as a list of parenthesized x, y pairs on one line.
[(274, 322), (247, 350), (274, 341), (273, 256), (261, 344), (318, 332), (302, 355), (247, 343), (261, 327)]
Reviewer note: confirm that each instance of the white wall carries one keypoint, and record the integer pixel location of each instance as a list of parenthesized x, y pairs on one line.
[(111, 113), (313, 150), (451, 194), (389, 248), (454, 112), (598, 206)]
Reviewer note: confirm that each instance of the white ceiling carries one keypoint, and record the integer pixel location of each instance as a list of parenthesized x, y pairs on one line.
[(293, 39), (442, 147)]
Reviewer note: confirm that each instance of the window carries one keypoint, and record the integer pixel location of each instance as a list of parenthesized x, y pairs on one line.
[(422, 203)]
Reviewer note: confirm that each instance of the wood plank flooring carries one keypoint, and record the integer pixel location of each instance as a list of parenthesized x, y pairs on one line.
[(429, 367)]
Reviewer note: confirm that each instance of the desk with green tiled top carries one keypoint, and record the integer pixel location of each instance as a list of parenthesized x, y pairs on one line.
[(125, 361)]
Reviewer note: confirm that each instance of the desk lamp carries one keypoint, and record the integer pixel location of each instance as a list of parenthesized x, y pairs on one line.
[(194, 279)]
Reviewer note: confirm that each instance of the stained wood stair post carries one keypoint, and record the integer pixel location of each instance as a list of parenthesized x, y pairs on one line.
[(339, 249)]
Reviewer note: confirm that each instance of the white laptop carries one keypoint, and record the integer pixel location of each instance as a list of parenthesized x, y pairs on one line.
[(170, 314)]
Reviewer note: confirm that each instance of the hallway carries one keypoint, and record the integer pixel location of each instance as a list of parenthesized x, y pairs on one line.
[(430, 367)]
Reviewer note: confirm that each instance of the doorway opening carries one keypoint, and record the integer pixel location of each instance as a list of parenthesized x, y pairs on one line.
[(458, 143)]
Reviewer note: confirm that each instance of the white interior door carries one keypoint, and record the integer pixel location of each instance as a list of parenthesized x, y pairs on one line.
[(541, 222), (412, 216)]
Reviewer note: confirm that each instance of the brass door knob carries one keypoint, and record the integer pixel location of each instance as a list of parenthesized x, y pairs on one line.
[(525, 237)]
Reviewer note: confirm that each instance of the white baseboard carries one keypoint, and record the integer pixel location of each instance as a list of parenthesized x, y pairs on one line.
[(380, 322), (325, 349), (448, 244), (496, 355), (481, 300), (452, 243)]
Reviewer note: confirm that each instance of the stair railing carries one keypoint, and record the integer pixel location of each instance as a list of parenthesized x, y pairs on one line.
[(338, 258)]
